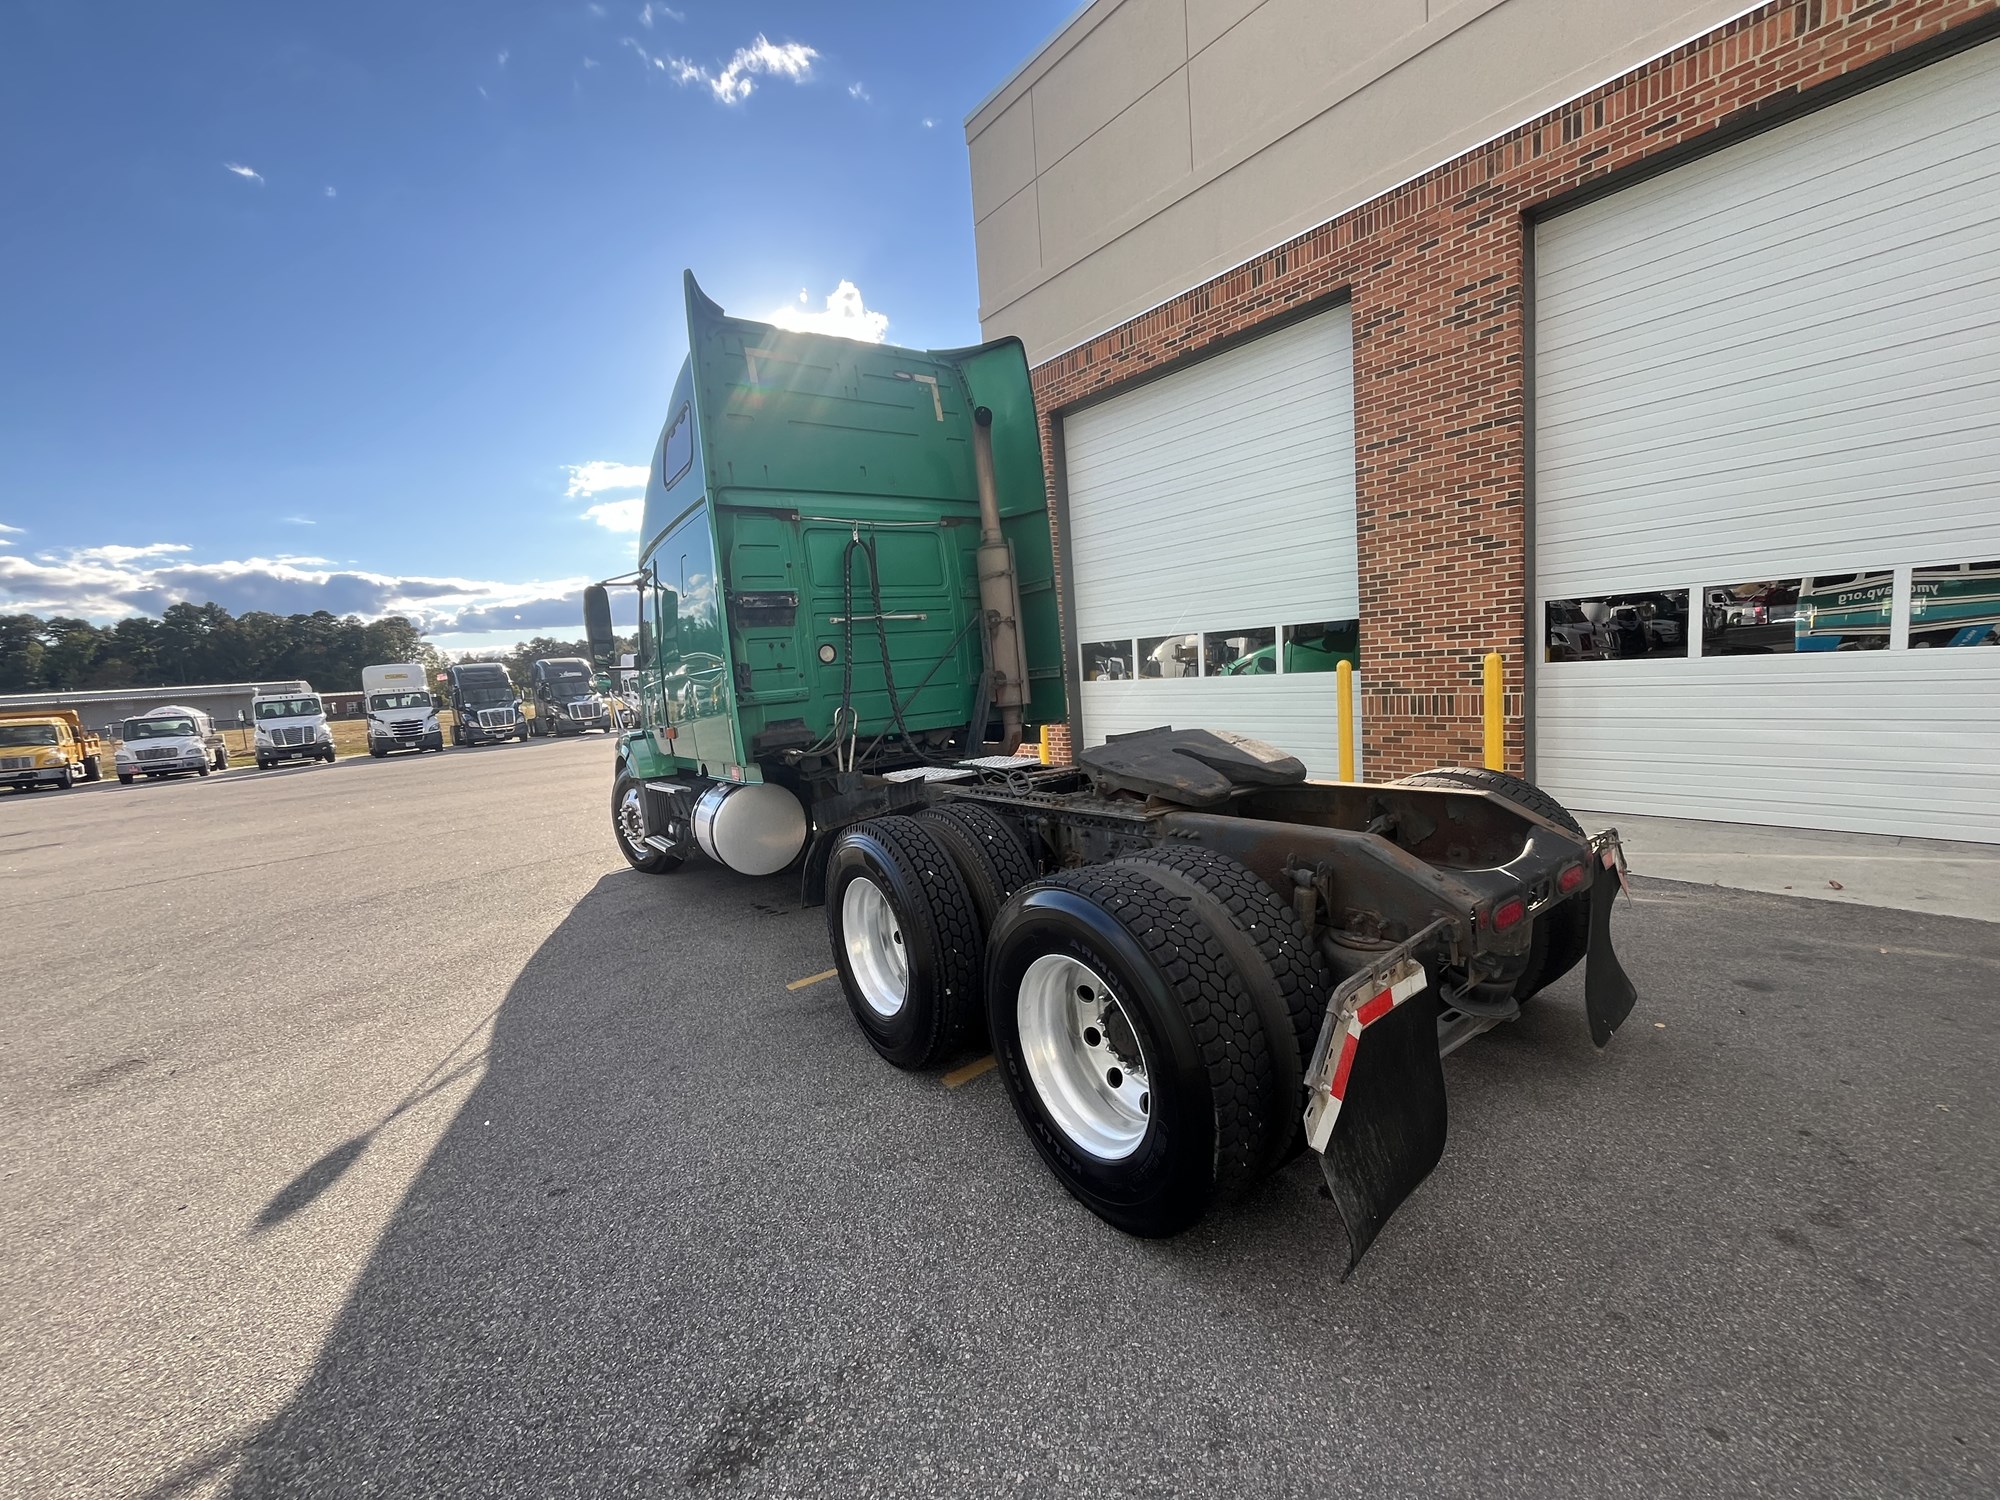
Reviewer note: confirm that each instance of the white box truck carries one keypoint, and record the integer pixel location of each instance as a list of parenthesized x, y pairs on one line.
[(290, 726), (402, 710)]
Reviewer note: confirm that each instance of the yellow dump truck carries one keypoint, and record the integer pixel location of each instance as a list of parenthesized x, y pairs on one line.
[(47, 747)]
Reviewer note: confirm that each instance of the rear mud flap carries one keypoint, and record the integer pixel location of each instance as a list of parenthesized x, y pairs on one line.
[(1608, 992), (1391, 1130), (1375, 1109)]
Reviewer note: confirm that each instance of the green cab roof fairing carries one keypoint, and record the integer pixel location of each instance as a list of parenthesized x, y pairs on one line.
[(775, 412), (811, 429)]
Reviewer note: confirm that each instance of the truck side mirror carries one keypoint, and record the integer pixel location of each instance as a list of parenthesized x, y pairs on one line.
[(597, 627)]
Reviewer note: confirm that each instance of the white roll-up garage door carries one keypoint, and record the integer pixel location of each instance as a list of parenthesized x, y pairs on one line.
[(1210, 543), (1767, 475)]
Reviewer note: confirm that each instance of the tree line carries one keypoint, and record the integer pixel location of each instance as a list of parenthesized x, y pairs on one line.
[(195, 643)]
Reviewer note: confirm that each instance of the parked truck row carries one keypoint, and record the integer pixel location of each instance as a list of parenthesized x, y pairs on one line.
[(52, 747)]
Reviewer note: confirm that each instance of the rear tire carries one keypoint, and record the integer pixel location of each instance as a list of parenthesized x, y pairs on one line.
[(628, 825), (93, 768), (1559, 940), (1286, 977), (124, 779), (906, 940), (1098, 975), (988, 853)]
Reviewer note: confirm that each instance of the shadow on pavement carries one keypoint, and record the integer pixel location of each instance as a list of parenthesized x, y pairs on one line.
[(506, 1333)]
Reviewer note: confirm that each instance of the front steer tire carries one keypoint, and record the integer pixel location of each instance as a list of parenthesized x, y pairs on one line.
[(906, 940), (628, 825), (1154, 987)]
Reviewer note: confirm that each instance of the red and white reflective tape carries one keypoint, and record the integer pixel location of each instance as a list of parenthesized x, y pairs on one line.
[(1333, 1060)]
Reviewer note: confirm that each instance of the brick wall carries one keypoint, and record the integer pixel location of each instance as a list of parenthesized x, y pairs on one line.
[(1436, 272)]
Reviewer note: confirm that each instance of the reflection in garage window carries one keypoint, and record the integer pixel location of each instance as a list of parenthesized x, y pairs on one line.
[(1170, 656), (1242, 653), (1608, 627), (1956, 604), (1322, 645), (1750, 619), (1107, 661), (1845, 611)]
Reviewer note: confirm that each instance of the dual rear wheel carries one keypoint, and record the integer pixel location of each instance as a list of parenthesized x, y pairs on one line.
[(1151, 1017)]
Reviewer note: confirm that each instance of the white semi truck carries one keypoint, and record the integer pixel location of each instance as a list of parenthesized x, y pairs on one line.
[(290, 726), (402, 710)]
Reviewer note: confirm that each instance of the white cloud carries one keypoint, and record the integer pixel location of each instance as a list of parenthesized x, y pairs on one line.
[(617, 515), (845, 315), (115, 555), (504, 55), (331, 193), (110, 582), (300, 521), (13, 530), (657, 63), (595, 9), (600, 475), (856, 90), (646, 15), (929, 123), (590, 62), (248, 174), (737, 80)]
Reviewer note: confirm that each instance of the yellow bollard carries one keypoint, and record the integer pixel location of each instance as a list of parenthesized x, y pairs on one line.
[(1343, 685), (1496, 743)]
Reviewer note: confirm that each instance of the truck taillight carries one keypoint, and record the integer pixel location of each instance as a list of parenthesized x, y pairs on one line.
[(1508, 913), (1570, 878)]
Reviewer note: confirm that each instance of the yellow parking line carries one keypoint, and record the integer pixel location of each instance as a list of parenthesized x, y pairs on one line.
[(799, 984), (970, 1071)]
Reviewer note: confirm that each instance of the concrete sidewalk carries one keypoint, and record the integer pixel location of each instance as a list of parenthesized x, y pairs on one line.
[(1907, 874)]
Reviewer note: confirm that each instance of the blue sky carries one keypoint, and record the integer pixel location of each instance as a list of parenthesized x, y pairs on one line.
[(366, 306)]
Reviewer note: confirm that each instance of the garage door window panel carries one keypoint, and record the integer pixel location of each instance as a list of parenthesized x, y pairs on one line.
[(1170, 656), (1322, 645), (1616, 627), (1108, 661), (1246, 652), (1956, 604), (1847, 611)]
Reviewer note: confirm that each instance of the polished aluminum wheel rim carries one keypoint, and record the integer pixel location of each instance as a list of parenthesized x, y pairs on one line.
[(632, 821), (1088, 1067), (876, 955)]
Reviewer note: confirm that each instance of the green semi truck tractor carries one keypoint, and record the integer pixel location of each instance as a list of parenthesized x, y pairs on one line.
[(1190, 960)]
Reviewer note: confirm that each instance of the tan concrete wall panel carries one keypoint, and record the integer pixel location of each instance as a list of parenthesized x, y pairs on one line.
[(1249, 84), (1209, 19), (1117, 64), (1124, 167), (1003, 158), (1009, 245)]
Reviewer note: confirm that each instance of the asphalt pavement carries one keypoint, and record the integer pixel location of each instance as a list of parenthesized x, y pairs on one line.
[(373, 1130)]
